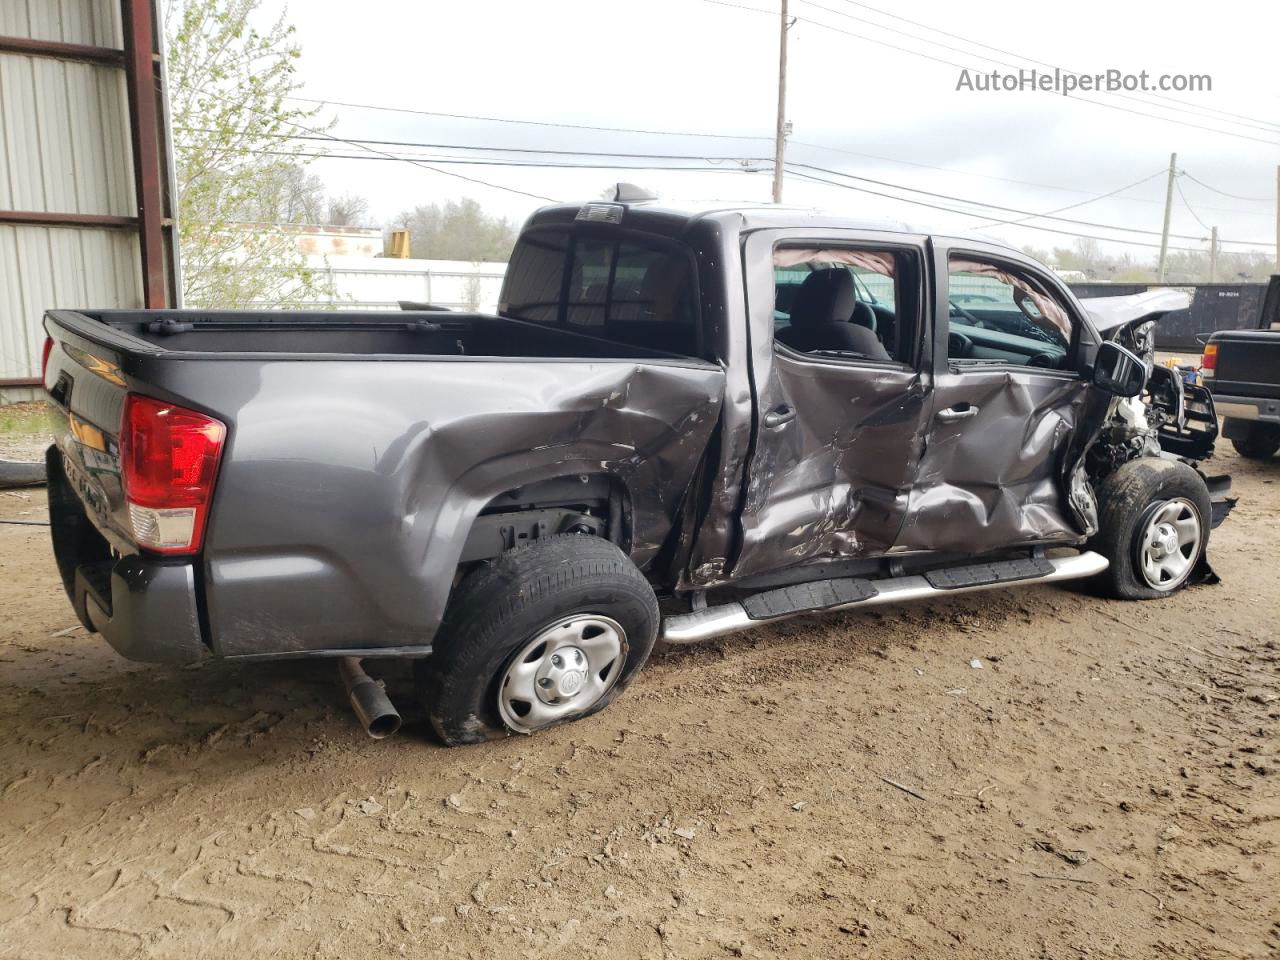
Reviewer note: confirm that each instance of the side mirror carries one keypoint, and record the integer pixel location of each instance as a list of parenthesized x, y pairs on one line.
[(1119, 371)]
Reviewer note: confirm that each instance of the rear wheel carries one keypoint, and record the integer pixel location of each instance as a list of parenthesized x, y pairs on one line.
[(1259, 442), (546, 633), (1153, 526)]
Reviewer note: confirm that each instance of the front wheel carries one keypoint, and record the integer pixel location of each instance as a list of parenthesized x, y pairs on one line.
[(548, 632), (1153, 526)]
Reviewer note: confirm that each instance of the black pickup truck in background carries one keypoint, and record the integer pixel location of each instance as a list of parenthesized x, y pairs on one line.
[(1242, 370)]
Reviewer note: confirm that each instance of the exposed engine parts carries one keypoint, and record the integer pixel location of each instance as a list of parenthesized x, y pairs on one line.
[(1172, 415)]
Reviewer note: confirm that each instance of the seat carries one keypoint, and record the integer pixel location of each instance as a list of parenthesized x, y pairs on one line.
[(820, 316)]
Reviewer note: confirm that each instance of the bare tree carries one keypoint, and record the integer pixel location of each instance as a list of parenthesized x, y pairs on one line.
[(473, 292), (348, 210)]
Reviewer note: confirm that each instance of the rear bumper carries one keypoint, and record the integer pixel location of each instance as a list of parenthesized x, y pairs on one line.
[(145, 609), (1247, 408)]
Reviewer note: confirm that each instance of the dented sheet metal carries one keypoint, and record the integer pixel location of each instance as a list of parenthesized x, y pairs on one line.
[(868, 468), (414, 453), (836, 481), (996, 478), (1109, 314)]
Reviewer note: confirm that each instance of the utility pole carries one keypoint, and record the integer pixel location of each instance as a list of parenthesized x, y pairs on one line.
[(1278, 219), (1213, 255), (1168, 212), (780, 136)]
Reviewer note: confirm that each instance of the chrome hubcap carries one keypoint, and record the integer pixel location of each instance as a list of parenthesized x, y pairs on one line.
[(564, 670), (561, 675), (1170, 544)]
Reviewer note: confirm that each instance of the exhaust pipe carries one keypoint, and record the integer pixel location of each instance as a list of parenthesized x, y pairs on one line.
[(369, 700)]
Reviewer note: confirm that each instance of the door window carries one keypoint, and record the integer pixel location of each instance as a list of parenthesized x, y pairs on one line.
[(845, 302), (1000, 314)]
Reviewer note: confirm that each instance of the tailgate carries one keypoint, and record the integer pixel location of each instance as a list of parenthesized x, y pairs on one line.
[(87, 391), (1248, 363), (141, 460)]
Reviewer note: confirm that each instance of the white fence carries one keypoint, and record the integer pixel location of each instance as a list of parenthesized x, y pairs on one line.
[(364, 283)]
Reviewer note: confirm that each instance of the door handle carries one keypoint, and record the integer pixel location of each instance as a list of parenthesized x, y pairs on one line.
[(779, 415), (961, 411)]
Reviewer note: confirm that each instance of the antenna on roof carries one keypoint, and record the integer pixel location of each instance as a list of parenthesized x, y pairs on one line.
[(630, 193)]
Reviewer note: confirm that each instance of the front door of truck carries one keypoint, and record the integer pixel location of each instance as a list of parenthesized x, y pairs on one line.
[(837, 348), (1007, 404)]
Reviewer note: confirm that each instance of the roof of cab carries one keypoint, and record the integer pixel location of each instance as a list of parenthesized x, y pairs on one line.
[(755, 217)]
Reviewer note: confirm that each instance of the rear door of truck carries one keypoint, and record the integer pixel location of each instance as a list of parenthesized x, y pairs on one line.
[(839, 430)]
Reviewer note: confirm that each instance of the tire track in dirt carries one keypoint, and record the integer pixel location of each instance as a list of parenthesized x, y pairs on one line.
[(1107, 782)]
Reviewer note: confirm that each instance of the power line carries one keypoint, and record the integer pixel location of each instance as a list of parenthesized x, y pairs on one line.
[(676, 133), (476, 148), (1027, 226), (1225, 194), (1104, 196), (446, 173), (1003, 63), (531, 123), (1268, 125), (995, 206), (959, 66), (552, 165), (794, 167), (1190, 210)]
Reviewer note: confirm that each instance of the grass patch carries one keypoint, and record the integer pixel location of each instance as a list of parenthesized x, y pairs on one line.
[(25, 419)]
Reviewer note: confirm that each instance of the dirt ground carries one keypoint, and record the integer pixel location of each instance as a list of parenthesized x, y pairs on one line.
[(1105, 784)]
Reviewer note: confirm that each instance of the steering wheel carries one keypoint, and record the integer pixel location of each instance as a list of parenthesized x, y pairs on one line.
[(1046, 360), (969, 318), (958, 345)]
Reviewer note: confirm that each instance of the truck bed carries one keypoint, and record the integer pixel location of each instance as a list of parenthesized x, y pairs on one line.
[(359, 451), (1248, 363), (334, 334)]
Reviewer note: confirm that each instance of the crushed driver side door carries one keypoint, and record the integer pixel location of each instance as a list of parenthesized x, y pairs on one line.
[(1009, 406)]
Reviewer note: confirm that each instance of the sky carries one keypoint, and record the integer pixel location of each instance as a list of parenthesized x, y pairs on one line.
[(873, 97)]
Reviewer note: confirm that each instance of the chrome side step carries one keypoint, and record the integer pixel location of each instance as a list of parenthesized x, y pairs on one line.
[(732, 617)]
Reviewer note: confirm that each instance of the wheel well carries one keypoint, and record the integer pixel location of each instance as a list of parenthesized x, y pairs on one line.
[(590, 504)]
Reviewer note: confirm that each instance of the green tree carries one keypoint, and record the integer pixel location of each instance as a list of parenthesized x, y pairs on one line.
[(458, 230), (229, 89)]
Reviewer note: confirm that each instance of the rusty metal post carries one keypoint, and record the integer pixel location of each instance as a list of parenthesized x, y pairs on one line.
[(62, 51), (140, 80)]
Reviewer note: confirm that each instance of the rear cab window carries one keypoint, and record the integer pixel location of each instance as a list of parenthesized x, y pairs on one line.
[(622, 286)]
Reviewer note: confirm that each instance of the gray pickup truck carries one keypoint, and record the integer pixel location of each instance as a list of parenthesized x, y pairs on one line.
[(678, 424)]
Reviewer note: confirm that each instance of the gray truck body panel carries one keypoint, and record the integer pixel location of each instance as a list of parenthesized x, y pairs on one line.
[(355, 469)]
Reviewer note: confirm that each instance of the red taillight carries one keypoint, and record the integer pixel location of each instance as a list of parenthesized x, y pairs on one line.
[(44, 360), (168, 461), (1209, 362)]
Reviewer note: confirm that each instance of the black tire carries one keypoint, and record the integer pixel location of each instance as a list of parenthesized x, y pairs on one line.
[(505, 604), (1260, 442), (1125, 501)]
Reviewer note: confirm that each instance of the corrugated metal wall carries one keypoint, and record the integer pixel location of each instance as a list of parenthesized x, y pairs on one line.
[(64, 148)]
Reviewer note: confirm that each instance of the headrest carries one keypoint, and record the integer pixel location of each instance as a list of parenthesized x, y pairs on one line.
[(826, 296)]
